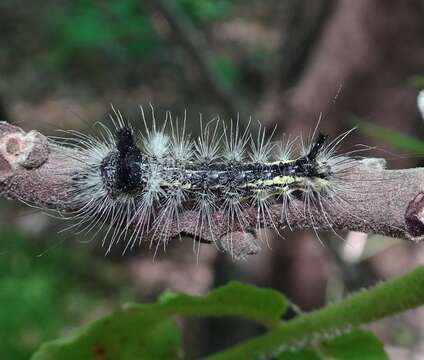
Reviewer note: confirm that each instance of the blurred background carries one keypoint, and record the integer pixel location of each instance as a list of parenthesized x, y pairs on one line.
[(282, 62)]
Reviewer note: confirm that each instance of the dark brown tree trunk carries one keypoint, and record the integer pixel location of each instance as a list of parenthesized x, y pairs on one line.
[(367, 54)]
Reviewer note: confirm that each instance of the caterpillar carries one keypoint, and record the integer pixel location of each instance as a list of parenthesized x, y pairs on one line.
[(134, 185)]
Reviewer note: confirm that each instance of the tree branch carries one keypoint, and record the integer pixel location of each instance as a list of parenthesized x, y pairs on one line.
[(387, 202)]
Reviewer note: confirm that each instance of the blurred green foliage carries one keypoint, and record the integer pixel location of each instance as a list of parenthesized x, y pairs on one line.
[(119, 31), (125, 43), (226, 70), (205, 11), (400, 141), (90, 48), (116, 29), (41, 296)]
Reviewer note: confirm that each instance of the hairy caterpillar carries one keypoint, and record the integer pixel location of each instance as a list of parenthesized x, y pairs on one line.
[(135, 185)]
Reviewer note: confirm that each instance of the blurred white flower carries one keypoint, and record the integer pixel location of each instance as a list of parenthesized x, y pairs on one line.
[(420, 102), (353, 248)]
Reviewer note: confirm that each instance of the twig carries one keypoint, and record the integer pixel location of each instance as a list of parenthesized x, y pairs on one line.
[(388, 202)]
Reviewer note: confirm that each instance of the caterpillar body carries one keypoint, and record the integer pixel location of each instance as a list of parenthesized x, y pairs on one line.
[(137, 185)]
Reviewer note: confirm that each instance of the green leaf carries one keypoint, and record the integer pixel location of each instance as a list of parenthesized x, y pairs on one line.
[(400, 141), (126, 335), (234, 299), (357, 344), (147, 331)]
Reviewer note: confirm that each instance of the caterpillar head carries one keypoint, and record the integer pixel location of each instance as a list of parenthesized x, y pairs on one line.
[(120, 170)]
